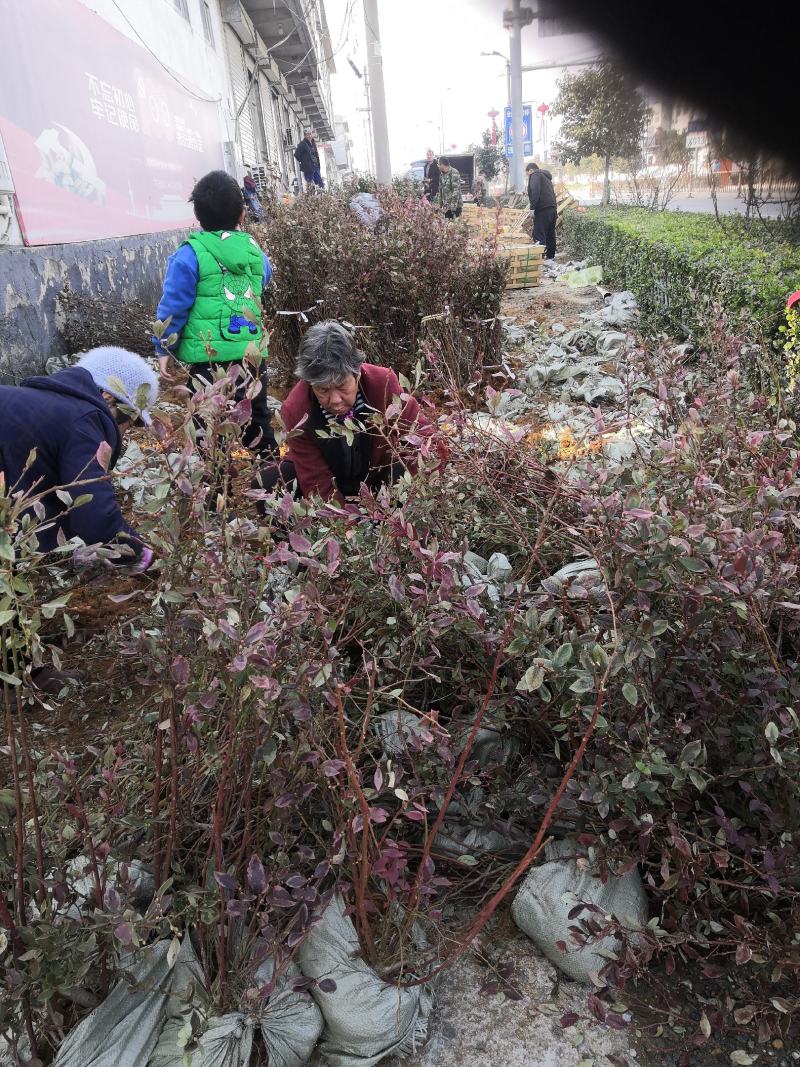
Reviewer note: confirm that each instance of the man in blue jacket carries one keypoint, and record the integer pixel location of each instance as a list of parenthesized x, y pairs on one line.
[(63, 420)]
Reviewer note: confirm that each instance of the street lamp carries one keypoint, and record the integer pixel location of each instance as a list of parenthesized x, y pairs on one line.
[(507, 62)]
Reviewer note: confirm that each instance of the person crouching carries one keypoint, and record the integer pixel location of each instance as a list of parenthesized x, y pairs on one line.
[(340, 449)]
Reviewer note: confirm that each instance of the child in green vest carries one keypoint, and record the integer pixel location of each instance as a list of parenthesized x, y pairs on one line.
[(216, 276)]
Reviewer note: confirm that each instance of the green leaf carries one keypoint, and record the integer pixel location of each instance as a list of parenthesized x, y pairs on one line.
[(584, 683), (631, 694), (531, 679), (690, 752), (562, 656), (693, 564), (599, 657), (697, 780)]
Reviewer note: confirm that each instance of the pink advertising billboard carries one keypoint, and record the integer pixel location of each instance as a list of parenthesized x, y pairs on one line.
[(102, 141)]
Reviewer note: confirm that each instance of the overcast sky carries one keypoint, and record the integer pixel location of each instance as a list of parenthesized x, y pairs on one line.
[(434, 72)]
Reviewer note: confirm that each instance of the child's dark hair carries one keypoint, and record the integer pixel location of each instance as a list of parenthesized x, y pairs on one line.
[(218, 201)]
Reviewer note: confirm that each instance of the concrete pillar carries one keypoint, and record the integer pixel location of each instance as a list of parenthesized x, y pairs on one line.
[(377, 95), (514, 20)]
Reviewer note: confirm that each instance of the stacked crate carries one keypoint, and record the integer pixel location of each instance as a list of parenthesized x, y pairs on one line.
[(513, 242), (525, 265)]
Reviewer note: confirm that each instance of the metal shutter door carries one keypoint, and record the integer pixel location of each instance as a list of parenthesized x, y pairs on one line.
[(273, 147), (240, 81)]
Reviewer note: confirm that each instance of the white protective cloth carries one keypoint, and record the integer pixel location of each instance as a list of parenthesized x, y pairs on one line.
[(366, 207), (291, 1023), (146, 1019)]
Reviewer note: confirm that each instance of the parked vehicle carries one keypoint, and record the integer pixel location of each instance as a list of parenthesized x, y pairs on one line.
[(464, 164)]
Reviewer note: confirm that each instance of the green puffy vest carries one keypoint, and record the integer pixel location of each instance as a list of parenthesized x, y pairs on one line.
[(230, 276)]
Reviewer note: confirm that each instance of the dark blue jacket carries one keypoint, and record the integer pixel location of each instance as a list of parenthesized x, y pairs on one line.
[(307, 156), (65, 419)]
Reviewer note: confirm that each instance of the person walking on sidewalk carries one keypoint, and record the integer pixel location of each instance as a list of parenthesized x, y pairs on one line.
[(307, 156), (542, 200), (212, 299), (449, 197)]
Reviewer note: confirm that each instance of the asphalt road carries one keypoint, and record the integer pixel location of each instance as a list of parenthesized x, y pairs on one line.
[(728, 205)]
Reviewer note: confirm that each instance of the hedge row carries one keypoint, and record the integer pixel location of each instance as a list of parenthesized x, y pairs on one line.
[(680, 265)]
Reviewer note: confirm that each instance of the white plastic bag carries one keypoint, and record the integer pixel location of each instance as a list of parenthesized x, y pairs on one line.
[(540, 911), (365, 1018), (394, 730), (366, 207)]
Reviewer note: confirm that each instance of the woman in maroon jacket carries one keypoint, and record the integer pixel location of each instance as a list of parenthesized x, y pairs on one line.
[(340, 447)]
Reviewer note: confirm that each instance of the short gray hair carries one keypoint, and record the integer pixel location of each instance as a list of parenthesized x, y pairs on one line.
[(327, 354)]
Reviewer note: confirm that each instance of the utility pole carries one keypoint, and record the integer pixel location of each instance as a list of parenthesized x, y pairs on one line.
[(377, 96), (367, 111), (513, 21)]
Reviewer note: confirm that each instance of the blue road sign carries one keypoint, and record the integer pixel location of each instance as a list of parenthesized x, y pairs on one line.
[(527, 131)]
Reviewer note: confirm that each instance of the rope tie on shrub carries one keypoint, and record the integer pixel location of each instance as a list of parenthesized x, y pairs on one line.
[(302, 315)]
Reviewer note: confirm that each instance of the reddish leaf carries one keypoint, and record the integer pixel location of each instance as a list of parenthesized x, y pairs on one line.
[(256, 878), (596, 1007), (743, 954), (103, 454), (180, 670), (124, 933), (299, 543)]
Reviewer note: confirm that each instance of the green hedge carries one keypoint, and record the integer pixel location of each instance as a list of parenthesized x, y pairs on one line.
[(680, 264)]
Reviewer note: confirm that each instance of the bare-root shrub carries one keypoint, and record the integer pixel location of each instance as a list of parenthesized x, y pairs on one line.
[(390, 283), (648, 709)]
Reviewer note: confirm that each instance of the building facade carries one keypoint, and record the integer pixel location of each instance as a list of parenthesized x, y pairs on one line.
[(342, 149), (110, 110)]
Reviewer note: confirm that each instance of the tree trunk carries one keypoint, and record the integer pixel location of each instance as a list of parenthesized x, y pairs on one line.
[(606, 190)]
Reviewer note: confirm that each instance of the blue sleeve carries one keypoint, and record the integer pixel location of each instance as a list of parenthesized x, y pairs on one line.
[(267, 270), (180, 290)]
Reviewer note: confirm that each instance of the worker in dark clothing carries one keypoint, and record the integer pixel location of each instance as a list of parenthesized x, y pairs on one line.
[(59, 436), (307, 156), (542, 200), (430, 180)]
